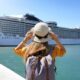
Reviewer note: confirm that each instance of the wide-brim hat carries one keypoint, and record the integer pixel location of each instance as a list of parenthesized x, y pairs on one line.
[(41, 29)]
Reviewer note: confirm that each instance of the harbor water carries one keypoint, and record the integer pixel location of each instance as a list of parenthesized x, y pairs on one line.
[(68, 67)]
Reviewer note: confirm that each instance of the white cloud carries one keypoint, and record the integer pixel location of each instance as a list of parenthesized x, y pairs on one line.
[(19, 16)]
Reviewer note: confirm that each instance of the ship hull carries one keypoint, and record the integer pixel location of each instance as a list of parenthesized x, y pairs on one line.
[(10, 42), (14, 42)]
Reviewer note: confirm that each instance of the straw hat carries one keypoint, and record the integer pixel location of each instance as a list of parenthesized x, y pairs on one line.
[(41, 29)]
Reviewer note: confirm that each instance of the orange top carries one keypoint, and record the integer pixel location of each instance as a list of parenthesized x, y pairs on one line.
[(59, 50)]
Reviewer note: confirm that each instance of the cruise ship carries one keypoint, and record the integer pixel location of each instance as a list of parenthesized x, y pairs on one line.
[(13, 30)]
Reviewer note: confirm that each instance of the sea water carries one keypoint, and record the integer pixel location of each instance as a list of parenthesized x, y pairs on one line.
[(68, 67)]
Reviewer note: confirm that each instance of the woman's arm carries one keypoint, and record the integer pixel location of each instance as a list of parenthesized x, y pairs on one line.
[(54, 37), (23, 42), (59, 50)]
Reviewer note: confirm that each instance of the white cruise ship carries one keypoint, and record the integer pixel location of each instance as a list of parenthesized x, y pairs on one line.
[(13, 41), (13, 30)]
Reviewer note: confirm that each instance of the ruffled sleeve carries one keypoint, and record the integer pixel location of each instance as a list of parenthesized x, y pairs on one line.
[(57, 52), (20, 52)]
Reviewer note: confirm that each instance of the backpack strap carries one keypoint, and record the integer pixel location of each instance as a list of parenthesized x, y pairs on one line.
[(33, 72), (47, 69)]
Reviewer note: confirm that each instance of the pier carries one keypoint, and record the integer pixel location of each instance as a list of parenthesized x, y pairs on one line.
[(7, 74)]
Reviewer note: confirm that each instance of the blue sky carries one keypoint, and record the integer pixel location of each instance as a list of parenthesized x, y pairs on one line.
[(65, 12)]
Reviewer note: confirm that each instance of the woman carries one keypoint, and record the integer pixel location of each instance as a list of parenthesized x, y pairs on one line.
[(39, 55)]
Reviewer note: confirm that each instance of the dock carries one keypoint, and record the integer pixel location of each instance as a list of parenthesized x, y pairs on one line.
[(7, 74)]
